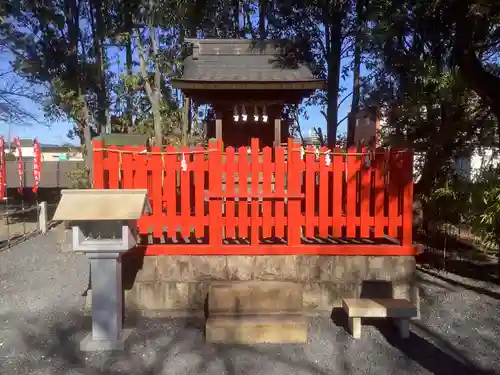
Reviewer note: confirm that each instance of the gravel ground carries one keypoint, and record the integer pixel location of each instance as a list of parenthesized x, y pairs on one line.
[(41, 324)]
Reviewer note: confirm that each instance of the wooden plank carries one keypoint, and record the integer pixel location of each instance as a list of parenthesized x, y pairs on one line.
[(365, 194), (267, 171), (243, 170), (255, 168), (264, 249), (352, 168), (215, 186), (310, 184), (323, 194), (279, 189), (338, 166), (199, 192), (230, 204)]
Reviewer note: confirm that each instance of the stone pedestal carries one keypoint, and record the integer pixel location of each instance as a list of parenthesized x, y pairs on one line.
[(107, 304)]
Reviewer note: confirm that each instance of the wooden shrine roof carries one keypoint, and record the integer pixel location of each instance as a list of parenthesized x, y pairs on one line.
[(235, 64)]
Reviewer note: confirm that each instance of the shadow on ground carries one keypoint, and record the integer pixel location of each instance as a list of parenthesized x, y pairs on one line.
[(450, 253), (425, 347), (175, 346)]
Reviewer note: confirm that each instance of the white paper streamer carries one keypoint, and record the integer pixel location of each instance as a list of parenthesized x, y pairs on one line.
[(183, 163)]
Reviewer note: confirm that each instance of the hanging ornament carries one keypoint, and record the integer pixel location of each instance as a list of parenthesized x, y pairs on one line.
[(183, 163), (328, 159), (368, 160), (316, 153)]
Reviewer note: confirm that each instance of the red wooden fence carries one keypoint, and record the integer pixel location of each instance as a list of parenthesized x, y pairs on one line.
[(270, 201)]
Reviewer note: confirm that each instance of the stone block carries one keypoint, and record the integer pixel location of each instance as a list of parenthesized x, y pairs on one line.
[(403, 268), (282, 329), (167, 295), (379, 268), (314, 267), (348, 269), (148, 270), (277, 267), (209, 267), (402, 291), (163, 296), (313, 296), (254, 297), (240, 267), (333, 293), (175, 268)]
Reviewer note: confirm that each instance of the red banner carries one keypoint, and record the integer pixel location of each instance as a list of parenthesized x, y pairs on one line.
[(3, 182), (37, 165), (20, 169)]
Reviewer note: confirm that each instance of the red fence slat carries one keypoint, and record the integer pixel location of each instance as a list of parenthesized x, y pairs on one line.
[(279, 189), (98, 171), (215, 185), (267, 171), (185, 191), (230, 191), (243, 170), (255, 169), (379, 192), (294, 185), (366, 168), (170, 190), (323, 194), (393, 188), (407, 199), (199, 192), (338, 165), (353, 164), (310, 185)]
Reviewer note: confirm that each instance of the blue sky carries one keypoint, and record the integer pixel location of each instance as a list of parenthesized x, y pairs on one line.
[(56, 132)]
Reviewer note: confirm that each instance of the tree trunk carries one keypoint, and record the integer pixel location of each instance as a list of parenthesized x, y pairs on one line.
[(334, 44), (129, 66), (262, 19), (485, 84), (98, 40)]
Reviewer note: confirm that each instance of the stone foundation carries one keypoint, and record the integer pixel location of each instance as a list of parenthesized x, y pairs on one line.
[(164, 285)]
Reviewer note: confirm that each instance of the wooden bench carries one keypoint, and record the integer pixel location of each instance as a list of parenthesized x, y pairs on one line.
[(401, 310)]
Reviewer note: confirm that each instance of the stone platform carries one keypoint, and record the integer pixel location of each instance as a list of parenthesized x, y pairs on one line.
[(178, 285)]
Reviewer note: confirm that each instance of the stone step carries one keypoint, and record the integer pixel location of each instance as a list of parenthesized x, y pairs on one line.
[(257, 329), (254, 297)]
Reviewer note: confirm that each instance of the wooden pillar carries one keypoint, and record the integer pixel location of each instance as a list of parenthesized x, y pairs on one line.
[(277, 132), (218, 128)]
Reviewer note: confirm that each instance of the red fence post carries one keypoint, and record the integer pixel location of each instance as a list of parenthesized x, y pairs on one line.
[(255, 169), (407, 216), (294, 190), (215, 188), (98, 165)]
